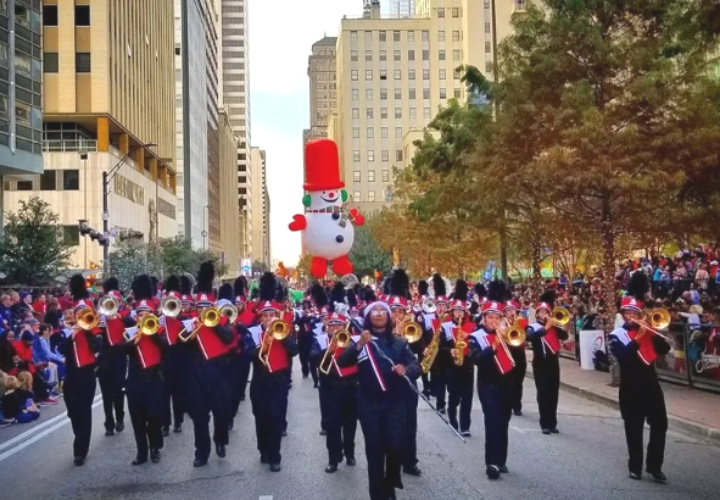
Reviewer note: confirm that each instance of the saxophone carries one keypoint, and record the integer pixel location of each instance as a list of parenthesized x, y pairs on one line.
[(460, 346), (432, 349)]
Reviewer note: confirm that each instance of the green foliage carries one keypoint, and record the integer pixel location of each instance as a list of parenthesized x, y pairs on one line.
[(366, 255), (259, 267), (33, 251)]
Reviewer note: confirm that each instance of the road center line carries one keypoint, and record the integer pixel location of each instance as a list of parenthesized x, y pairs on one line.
[(28, 433), (37, 437), (265, 497), (517, 429)]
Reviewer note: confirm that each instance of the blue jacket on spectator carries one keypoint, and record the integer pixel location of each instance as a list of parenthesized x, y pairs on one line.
[(42, 351)]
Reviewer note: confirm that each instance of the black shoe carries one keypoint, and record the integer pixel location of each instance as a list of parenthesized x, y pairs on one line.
[(637, 476), (120, 427), (275, 468), (231, 425), (165, 431), (177, 429), (658, 477), (79, 461), (306, 376), (351, 462), (110, 432), (518, 413), (263, 459), (331, 468), (554, 430), (546, 431), (220, 450), (503, 469), (155, 455), (412, 471), (466, 434), (442, 411), (199, 463), (492, 471), (323, 432), (315, 385), (139, 461)]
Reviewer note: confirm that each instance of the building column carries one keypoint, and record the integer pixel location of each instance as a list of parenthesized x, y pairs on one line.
[(153, 169), (103, 133), (124, 143), (140, 159)]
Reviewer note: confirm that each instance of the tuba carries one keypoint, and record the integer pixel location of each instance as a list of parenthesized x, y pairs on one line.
[(86, 318), (108, 306), (171, 307), (278, 330), (341, 338)]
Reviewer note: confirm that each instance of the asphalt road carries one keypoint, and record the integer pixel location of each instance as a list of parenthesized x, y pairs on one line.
[(586, 461)]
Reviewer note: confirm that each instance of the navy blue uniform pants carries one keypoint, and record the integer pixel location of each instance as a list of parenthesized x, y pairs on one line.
[(269, 398), (496, 403)]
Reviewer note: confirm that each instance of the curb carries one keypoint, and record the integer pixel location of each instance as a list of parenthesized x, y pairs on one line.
[(688, 426)]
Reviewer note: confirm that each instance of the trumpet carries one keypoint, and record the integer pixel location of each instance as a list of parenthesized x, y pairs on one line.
[(278, 330), (428, 305), (209, 317), (230, 312), (513, 334), (108, 306), (656, 319), (171, 307), (340, 339), (411, 331), (86, 318), (560, 316)]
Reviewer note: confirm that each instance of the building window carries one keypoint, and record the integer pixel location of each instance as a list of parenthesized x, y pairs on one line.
[(441, 12), (426, 55), (383, 94), (82, 62), (22, 114), (370, 155), (386, 176), (456, 93), (71, 180), (356, 196), (488, 67), (356, 132), (383, 36), (487, 4), (457, 73), (384, 130), (456, 55), (22, 15), (353, 36), (82, 15), (411, 55), (356, 113), (370, 132), (411, 74), (383, 74), (24, 185), (487, 26), (353, 55), (369, 94), (383, 55), (426, 93), (411, 36), (368, 74), (368, 36), (371, 176), (398, 132), (48, 180), (413, 113), (354, 75), (385, 155), (519, 5), (355, 94), (398, 94), (456, 36), (50, 15), (398, 112), (396, 36), (397, 74), (456, 11), (356, 156), (398, 155), (488, 48), (356, 176), (368, 56), (426, 113), (369, 113), (412, 93), (443, 93), (383, 113), (443, 74), (371, 195), (441, 36), (426, 74), (71, 235), (50, 62), (396, 55), (441, 55)]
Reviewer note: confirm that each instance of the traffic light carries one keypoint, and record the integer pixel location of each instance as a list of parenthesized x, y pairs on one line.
[(86, 230)]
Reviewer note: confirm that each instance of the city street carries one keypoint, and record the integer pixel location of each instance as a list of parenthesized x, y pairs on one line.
[(587, 460)]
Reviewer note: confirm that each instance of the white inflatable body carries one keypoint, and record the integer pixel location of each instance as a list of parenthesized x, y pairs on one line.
[(325, 236)]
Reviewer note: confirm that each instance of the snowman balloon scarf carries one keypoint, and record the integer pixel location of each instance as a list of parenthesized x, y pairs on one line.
[(327, 226)]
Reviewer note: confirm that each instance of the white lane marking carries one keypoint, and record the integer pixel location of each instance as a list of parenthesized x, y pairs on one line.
[(28, 433), (265, 497), (517, 429), (39, 436)]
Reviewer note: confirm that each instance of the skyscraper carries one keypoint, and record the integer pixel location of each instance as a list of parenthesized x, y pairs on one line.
[(261, 210), (235, 96)]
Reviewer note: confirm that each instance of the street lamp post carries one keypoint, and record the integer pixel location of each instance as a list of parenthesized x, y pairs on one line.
[(107, 177)]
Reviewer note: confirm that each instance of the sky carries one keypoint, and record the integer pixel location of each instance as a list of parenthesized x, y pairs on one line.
[(281, 35)]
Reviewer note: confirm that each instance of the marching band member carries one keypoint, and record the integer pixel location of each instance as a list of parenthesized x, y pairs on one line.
[(146, 390), (423, 293), (489, 352), (438, 379), (316, 327), (176, 355), (510, 312), (637, 347), (270, 383), (338, 389), (545, 336), (246, 318), (399, 305), (382, 359), (79, 349), (207, 390), (231, 360), (112, 367), (459, 373), (306, 326)]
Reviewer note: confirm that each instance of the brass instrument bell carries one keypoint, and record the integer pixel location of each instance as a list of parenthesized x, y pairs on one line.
[(278, 330), (108, 306), (411, 331), (149, 325), (86, 318), (560, 316), (341, 339), (171, 307), (230, 312)]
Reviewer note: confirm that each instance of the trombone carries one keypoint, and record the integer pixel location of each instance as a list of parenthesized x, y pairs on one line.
[(410, 331), (108, 306), (171, 307), (148, 325), (559, 316), (209, 317), (656, 319), (86, 318), (230, 312), (341, 339), (513, 334), (278, 330)]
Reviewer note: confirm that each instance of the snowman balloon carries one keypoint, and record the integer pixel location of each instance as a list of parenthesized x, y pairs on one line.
[(327, 227)]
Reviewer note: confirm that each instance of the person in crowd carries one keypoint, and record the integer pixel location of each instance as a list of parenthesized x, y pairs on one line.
[(6, 314), (43, 353), (24, 349)]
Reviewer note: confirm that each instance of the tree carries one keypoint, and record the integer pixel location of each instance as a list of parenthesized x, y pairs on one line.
[(259, 267), (132, 258), (366, 255), (33, 250)]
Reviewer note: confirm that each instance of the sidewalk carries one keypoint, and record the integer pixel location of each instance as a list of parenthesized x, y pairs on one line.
[(690, 410)]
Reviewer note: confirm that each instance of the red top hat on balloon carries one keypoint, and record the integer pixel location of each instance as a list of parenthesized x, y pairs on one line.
[(322, 168)]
